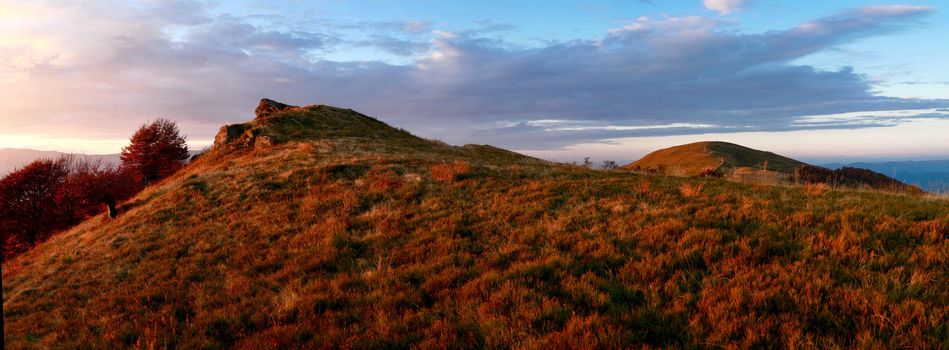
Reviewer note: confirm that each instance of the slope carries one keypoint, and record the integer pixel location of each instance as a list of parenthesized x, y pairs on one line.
[(695, 158), (930, 175), (743, 164), (338, 231)]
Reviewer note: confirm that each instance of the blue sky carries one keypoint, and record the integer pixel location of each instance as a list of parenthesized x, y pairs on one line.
[(557, 79), (536, 23)]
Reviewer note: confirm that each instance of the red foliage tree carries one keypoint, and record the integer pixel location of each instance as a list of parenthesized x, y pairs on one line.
[(28, 203), (51, 195), (91, 186), (156, 151)]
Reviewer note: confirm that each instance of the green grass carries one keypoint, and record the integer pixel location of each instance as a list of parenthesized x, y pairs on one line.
[(372, 238), (736, 156)]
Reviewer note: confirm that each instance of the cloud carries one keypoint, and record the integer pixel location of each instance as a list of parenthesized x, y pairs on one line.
[(870, 118), (653, 76), (397, 46), (724, 6)]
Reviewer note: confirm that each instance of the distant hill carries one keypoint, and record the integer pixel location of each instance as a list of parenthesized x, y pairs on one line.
[(12, 158), (319, 227), (695, 158), (930, 175), (740, 163)]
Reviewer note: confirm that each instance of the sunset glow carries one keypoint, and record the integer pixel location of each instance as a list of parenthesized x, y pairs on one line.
[(80, 76)]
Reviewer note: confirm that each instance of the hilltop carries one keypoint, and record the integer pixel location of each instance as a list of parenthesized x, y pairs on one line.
[(740, 163), (695, 158), (321, 227)]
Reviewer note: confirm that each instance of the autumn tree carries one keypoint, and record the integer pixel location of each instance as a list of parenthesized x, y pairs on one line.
[(51, 195), (28, 207), (92, 186), (155, 151)]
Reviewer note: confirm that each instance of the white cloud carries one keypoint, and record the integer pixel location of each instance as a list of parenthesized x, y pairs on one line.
[(918, 138), (724, 6), (127, 64), (634, 127)]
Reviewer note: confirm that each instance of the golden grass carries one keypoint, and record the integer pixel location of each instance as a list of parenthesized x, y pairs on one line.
[(696, 159), (815, 189), (347, 242), (449, 172)]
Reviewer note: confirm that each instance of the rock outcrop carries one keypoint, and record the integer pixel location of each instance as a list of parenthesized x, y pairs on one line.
[(246, 135), (228, 133), (268, 107)]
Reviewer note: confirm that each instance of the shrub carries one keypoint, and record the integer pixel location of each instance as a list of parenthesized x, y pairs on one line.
[(711, 172)]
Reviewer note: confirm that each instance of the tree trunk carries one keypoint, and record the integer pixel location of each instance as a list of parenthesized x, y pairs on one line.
[(113, 212)]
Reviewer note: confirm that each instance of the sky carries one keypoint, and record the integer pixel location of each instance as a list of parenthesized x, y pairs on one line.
[(821, 81)]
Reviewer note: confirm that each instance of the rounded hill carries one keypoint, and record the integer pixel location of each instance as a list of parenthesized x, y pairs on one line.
[(708, 156)]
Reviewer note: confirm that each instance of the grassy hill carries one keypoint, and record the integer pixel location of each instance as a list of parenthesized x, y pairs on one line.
[(319, 227), (695, 158), (743, 164)]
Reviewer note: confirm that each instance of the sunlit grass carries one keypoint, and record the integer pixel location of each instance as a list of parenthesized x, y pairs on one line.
[(355, 242)]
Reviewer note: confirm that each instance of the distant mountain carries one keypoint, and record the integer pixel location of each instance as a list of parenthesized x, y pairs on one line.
[(740, 163), (930, 175), (12, 158)]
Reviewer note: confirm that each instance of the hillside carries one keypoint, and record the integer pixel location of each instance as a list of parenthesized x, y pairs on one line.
[(930, 175), (695, 158), (320, 227), (743, 164)]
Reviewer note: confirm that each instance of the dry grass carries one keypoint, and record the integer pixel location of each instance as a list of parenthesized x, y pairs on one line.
[(449, 172), (815, 189), (690, 190), (349, 242), (700, 158)]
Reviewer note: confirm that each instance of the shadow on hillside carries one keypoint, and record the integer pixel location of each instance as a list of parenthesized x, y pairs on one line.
[(132, 204)]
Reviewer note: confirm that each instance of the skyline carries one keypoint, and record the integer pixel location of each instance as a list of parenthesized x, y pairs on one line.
[(820, 82)]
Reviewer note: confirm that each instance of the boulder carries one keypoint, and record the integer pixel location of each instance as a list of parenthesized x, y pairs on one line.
[(262, 142), (228, 133)]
